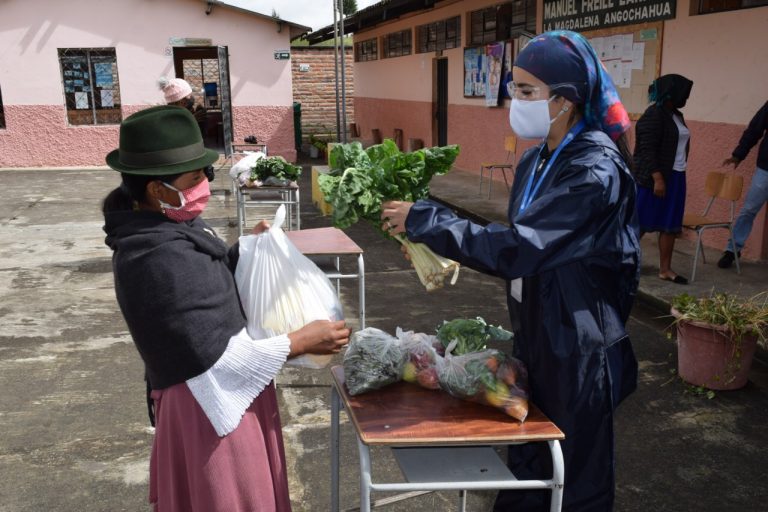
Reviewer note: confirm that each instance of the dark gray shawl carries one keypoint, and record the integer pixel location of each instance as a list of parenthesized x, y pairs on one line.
[(175, 286)]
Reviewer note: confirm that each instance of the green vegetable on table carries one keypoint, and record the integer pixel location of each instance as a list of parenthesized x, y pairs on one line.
[(274, 167), (361, 179), (373, 360), (470, 334)]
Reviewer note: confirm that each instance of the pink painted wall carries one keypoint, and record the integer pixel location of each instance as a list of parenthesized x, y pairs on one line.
[(271, 124), (711, 143), (37, 133), (413, 117)]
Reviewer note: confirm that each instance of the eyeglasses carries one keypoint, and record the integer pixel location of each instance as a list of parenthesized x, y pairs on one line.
[(532, 92), (523, 92)]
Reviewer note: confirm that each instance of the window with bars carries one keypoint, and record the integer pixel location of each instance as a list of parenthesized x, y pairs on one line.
[(366, 50), (502, 21), (440, 35), (2, 111), (91, 85), (397, 44), (482, 28), (710, 6)]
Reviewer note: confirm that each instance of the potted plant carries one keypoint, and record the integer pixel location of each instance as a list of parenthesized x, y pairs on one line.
[(717, 337), (317, 146)]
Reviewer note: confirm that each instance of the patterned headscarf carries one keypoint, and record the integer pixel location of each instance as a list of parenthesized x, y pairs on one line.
[(567, 60), (675, 88)]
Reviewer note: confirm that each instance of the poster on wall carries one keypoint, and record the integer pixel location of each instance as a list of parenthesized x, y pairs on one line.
[(474, 71), (107, 98), (494, 53), (81, 100), (103, 71)]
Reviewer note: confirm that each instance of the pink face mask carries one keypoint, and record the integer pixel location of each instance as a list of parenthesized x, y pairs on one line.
[(193, 202)]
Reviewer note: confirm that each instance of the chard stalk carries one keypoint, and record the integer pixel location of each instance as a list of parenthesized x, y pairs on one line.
[(431, 268)]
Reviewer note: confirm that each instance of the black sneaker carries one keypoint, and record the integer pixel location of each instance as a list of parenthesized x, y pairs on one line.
[(726, 260)]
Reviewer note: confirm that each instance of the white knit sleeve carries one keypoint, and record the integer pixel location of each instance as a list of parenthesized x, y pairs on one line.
[(246, 367)]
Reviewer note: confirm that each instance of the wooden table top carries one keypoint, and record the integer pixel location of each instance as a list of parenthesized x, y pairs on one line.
[(405, 414), (329, 241)]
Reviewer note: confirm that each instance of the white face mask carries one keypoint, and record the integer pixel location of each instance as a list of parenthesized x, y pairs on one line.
[(530, 119)]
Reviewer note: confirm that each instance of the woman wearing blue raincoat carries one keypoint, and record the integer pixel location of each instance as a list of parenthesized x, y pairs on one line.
[(570, 256)]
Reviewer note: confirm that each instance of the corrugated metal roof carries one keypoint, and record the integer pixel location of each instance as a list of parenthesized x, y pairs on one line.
[(371, 16)]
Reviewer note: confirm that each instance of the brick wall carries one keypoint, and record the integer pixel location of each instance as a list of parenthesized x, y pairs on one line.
[(315, 89)]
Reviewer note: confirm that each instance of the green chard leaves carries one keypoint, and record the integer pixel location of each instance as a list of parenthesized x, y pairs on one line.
[(361, 179)]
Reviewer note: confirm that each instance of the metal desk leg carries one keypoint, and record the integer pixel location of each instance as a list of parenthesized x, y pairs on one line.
[(337, 266), (558, 476), (298, 210), (365, 476), (335, 444), (240, 212), (361, 288)]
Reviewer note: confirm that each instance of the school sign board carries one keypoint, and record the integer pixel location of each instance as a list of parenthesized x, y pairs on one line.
[(580, 15)]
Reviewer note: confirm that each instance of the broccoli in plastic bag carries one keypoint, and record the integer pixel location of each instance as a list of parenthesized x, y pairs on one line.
[(373, 360), (470, 334)]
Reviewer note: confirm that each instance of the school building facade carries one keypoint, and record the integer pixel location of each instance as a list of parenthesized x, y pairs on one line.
[(422, 67)]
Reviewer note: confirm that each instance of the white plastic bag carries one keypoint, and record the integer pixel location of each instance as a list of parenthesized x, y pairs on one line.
[(241, 171), (282, 290)]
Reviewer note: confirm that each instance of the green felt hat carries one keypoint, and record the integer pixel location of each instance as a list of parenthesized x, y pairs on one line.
[(160, 141)]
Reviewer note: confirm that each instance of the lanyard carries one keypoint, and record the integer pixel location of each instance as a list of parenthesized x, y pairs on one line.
[(530, 188)]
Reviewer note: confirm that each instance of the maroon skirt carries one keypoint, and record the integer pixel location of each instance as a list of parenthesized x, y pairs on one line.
[(192, 469)]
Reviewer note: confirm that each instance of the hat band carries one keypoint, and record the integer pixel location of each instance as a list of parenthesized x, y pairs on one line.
[(162, 157)]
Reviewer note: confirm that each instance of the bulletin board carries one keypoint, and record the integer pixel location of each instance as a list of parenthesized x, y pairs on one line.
[(633, 64)]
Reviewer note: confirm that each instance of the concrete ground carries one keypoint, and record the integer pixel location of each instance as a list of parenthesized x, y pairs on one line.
[(73, 429)]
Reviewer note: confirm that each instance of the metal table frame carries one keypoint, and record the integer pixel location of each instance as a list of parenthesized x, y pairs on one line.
[(288, 195), (421, 471)]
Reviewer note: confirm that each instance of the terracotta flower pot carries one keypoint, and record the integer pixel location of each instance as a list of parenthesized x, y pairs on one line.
[(708, 356)]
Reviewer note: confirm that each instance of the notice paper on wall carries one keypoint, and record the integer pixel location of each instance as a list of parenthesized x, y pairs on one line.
[(107, 100), (620, 55), (81, 100), (638, 55)]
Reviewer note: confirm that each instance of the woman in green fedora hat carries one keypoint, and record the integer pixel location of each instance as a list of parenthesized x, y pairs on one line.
[(218, 443)]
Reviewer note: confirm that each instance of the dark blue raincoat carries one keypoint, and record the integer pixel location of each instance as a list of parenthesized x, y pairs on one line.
[(576, 248)]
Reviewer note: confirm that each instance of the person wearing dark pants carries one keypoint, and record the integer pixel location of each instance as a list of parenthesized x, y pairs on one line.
[(570, 258), (757, 195)]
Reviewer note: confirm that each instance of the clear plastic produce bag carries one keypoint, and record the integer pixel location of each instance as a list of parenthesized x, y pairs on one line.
[(487, 377), (241, 170), (422, 360), (282, 290), (373, 360)]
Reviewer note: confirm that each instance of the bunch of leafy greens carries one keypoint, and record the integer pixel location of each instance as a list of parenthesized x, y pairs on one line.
[(373, 360), (361, 179), (470, 334), (275, 167)]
